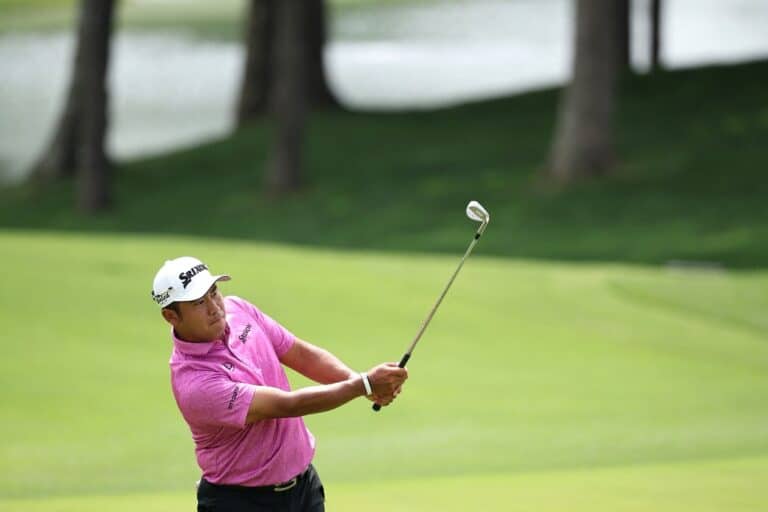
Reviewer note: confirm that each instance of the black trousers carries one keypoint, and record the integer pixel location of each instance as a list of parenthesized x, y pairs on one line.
[(307, 495)]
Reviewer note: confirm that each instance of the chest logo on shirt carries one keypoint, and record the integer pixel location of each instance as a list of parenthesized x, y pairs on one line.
[(244, 335), (229, 366)]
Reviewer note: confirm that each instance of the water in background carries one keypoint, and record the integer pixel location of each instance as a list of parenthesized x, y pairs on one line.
[(380, 57)]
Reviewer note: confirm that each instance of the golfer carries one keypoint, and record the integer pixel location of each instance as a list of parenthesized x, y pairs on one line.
[(251, 443)]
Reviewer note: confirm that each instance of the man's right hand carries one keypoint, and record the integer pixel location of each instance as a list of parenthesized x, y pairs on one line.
[(386, 382)]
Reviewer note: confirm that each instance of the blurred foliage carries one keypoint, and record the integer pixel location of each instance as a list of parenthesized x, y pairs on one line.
[(691, 184)]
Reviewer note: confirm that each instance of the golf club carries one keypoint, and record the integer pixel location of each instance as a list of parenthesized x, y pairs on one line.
[(476, 212)]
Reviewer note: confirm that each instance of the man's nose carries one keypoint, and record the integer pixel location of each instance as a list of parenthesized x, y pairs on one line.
[(213, 308)]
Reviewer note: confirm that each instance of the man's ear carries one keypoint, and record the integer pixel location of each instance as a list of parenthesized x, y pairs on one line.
[(171, 316)]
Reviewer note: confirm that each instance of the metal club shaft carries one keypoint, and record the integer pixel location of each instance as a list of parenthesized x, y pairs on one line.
[(442, 296), (425, 323)]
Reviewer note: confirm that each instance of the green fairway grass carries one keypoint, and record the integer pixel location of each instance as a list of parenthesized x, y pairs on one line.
[(551, 386), (712, 486)]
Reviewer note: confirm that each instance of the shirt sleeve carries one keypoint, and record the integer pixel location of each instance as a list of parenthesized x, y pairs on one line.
[(281, 338), (213, 399)]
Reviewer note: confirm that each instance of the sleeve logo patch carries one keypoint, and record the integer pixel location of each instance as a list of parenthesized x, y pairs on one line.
[(232, 399)]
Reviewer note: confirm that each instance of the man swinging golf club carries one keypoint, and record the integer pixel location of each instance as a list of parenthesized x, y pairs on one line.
[(228, 380)]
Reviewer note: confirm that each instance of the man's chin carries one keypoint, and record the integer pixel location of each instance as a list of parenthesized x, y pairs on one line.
[(218, 331)]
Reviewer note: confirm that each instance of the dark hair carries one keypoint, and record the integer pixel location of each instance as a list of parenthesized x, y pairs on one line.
[(174, 306)]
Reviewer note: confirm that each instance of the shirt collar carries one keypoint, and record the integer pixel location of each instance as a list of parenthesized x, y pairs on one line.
[(197, 348)]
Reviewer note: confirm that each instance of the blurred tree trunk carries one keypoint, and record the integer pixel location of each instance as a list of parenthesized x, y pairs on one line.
[(93, 166), (288, 99), (260, 41), (78, 142), (583, 143), (624, 31), (655, 35), (259, 37), (320, 94)]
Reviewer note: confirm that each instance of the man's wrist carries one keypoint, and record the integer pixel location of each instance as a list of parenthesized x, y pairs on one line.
[(366, 384)]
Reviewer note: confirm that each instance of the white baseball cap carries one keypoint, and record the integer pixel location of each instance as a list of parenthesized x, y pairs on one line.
[(183, 279)]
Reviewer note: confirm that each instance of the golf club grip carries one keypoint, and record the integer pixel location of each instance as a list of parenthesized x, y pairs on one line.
[(401, 364)]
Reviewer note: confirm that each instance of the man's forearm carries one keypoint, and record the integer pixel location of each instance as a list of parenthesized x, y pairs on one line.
[(316, 363), (384, 383), (276, 403)]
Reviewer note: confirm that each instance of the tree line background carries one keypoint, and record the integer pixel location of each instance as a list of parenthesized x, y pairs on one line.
[(284, 79)]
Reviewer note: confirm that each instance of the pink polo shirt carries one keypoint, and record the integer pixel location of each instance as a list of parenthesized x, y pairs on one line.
[(213, 384)]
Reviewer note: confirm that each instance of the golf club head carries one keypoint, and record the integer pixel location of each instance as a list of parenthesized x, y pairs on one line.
[(476, 212)]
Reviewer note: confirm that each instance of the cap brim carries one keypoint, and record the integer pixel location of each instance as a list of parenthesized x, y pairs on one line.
[(200, 287)]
